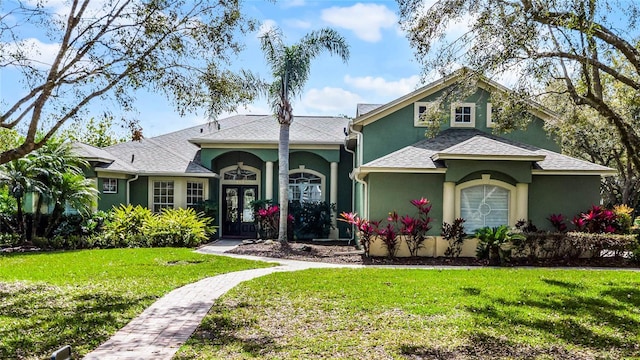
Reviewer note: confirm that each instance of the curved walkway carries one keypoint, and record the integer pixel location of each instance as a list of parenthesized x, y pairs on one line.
[(162, 328)]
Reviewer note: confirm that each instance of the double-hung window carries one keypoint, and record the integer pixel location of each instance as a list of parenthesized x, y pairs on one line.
[(163, 195), (195, 193)]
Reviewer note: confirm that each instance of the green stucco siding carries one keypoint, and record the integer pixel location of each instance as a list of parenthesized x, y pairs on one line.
[(567, 195), (397, 130), (140, 191), (520, 171), (108, 201), (389, 192)]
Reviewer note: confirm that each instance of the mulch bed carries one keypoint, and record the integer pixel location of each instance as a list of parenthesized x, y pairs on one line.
[(341, 253)]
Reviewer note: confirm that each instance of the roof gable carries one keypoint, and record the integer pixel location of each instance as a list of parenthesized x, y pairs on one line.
[(364, 117)]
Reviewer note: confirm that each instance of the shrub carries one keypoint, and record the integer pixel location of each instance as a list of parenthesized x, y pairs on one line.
[(177, 227), (598, 244), (389, 239), (454, 234), (623, 217), (311, 219), (416, 228), (558, 221), (596, 220), (367, 230), (493, 243), (125, 227)]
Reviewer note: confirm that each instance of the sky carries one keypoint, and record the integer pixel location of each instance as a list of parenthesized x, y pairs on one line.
[(381, 67)]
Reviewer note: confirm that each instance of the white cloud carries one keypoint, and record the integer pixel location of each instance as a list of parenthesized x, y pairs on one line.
[(330, 100), (266, 25), (365, 20), (35, 52), (296, 23), (383, 87)]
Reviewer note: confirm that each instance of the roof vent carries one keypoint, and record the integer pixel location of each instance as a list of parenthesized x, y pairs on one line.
[(133, 156), (201, 130)]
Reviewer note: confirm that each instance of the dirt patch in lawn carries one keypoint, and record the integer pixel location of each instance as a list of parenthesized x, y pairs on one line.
[(336, 252)]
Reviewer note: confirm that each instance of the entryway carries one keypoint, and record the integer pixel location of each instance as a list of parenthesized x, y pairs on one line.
[(237, 213)]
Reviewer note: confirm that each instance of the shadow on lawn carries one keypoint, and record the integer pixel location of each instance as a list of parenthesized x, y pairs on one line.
[(604, 323), (40, 318), (219, 330)]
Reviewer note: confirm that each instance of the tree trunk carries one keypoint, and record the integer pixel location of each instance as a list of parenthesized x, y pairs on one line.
[(283, 182)]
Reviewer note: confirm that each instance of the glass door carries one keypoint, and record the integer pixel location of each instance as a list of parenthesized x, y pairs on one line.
[(237, 211)]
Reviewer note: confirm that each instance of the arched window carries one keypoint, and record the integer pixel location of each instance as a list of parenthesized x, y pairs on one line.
[(240, 174), (305, 187), (484, 205)]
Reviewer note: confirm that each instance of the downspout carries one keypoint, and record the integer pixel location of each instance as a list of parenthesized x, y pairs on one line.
[(129, 187), (355, 173), (353, 191)]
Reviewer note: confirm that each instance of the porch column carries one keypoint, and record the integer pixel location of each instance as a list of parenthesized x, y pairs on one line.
[(333, 199), (448, 202), (522, 201), (268, 184)]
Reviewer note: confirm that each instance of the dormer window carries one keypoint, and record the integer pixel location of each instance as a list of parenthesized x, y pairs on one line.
[(463, 115)]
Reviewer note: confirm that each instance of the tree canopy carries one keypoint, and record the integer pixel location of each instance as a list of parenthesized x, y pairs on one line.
[(107, 50), (584, 45)]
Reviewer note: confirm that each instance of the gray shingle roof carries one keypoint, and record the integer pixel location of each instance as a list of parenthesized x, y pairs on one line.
[(460, 142), (265, 129), (91, 153), (177, 153), (480, 147), (365, 108)]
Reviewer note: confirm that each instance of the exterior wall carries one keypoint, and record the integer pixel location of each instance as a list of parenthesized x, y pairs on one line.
[(397, 130), (518, 171), (108, 201), (567, 195), (139, 191), (391, 192)]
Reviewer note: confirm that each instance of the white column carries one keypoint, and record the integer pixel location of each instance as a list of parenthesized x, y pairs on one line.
[(448, 202), (522, 201), (333, 199), (268, 192)]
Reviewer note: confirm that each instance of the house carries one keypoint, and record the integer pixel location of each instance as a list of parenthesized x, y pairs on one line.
[(372, 164), (228, 164), (465, 170)]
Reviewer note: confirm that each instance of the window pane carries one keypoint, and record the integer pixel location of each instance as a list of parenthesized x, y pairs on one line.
[(484, 205), (305, 187)]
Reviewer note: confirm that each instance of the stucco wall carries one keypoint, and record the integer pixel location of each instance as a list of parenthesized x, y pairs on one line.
[(108, 201)]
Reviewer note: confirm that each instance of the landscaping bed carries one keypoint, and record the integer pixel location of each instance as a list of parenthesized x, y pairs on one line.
[(339, 252)]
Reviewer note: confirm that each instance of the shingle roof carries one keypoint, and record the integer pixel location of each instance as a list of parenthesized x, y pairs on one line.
[(177, 153), (365, 108), (264, 129), (460, 142), (482, 147), (91, 153)]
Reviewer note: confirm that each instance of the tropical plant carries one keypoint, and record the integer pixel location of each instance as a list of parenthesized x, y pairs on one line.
[(366, 229), (596, 220), (493, 243), (19, 177), (311, 219), (558, 221), (390, 239), (178, 228), (290, 67), (454, 234), (623, 217), (125, 227)]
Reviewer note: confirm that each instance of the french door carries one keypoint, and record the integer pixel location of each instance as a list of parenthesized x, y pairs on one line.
[(237, 213)]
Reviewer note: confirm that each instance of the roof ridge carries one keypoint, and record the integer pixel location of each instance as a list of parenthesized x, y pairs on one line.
[(318, 130)]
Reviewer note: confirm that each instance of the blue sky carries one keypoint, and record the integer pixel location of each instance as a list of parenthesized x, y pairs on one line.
[(381, 67)]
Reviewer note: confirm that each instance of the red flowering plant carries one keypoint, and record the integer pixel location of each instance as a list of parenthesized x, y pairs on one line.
[(366, 229), (559, 222), (596, 220), (416, 228), (268, 220), (390, 239)]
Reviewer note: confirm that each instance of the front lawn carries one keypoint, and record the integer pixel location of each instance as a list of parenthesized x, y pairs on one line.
[(425, 314), (83, 297)]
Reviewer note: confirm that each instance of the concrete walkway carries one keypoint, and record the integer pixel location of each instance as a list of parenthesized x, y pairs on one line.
[(161, 329)]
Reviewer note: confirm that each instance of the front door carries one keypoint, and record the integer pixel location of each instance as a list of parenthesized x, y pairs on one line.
[(237, 211)]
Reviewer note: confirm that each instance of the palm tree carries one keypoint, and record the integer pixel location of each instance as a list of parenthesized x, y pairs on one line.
[(290, 67), (19, 177), (74, 190)]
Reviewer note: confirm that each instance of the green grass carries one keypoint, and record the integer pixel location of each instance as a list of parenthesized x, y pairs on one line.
[(425, 314), (81, 298)]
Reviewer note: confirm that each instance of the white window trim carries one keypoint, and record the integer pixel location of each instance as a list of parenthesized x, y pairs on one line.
[(240, 182), (416, 113), (179, 190), (486, 180), (109, 192), (323, 179), (186, 188), (473, 115), (490, 122)]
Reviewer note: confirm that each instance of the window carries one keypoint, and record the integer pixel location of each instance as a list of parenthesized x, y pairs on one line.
[(463, 115), (491, 111), (305, 187), (163, 193), (484, 205), (110, 186), (195, 193), (240, 174), (420, 109)]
